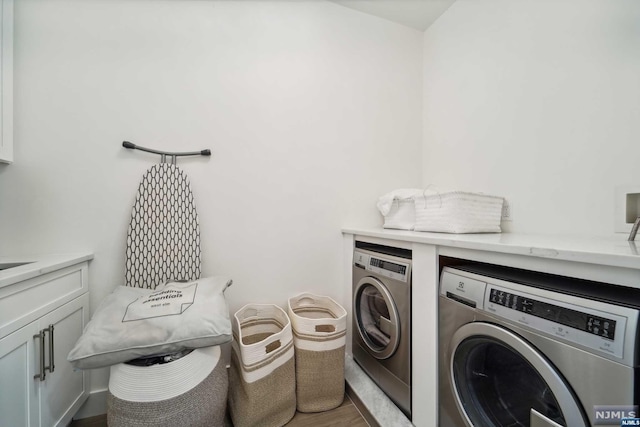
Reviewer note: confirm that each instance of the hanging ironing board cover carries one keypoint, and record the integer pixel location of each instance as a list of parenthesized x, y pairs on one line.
[(163, 239)]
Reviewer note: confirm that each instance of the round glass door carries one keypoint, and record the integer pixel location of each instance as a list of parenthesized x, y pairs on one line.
[(499, 379), (376, 317)]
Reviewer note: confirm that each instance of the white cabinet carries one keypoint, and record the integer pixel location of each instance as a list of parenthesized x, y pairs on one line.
[(27, 397), (18, 389), (6, 81)]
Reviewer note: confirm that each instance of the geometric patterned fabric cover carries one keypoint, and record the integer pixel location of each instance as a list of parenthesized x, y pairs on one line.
[(163, 239)]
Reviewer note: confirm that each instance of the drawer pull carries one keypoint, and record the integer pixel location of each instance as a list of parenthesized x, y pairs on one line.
[(51, 366), (42, 368), (40, 337)]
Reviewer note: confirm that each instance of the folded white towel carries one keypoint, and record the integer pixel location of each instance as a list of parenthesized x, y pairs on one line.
[(385, 202)]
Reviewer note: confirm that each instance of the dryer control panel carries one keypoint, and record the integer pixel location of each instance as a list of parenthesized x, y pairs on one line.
[(386, 267)]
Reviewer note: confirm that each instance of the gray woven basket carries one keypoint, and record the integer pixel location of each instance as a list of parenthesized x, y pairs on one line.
[(203, 405)]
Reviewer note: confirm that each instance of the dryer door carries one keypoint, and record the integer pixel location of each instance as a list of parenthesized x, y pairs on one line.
[(499, 379), (376, 317)]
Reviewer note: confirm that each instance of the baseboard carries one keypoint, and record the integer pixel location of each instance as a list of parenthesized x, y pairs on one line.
[(96, 404)]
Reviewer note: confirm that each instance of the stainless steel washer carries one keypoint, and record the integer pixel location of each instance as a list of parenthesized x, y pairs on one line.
[(529, 349), (381, 318)]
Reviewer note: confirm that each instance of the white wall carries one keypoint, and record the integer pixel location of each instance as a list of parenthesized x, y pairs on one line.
[(537, 101), (311, 111)]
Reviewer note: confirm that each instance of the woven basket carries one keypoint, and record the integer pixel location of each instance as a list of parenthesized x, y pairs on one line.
[(402, 215), (191, 391), (262, 385), (319, 336), (458, 212)]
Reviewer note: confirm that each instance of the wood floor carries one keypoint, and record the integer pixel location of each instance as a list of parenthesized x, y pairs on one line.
[(344, 415)]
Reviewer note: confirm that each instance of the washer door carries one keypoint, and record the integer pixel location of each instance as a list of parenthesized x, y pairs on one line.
[(499, 379), (376, 317)]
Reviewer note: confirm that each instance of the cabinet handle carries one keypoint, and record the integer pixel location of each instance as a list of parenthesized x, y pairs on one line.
[(41, 375), (51, 366)]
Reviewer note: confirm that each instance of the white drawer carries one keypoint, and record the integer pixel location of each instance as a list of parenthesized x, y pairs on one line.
[(25, 301)]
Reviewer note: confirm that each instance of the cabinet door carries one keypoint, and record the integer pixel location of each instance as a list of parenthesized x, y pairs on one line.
[(63, 391), (19, 390)]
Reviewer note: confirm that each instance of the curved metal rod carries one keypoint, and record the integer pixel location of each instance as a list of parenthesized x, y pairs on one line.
[(127, 144)]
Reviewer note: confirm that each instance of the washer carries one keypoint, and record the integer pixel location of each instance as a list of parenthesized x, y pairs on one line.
[(381, 318), (519, 348)]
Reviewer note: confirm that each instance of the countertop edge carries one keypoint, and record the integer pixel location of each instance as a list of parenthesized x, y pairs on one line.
[(39, 265), (613, 250)]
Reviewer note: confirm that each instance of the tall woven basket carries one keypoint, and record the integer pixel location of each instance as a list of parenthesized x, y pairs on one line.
[(319, 336), (262, 385)]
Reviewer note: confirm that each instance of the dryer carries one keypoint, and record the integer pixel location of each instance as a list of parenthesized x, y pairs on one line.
[(533, 349), (381, 318)]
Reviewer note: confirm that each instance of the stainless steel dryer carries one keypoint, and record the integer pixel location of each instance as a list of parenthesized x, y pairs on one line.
[(381, 318), (530, 349)]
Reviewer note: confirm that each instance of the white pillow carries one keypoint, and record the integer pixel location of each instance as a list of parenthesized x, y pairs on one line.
[(133, 322)]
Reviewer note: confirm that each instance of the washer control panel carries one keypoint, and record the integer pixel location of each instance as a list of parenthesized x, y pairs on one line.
[(581, 325), (594, 324), (385, 267)]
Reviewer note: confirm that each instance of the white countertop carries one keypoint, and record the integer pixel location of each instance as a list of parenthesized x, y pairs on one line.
[(38, 265), (612, 250)]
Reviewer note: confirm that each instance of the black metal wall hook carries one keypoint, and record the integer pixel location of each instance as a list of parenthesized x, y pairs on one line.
[(164, 154)]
